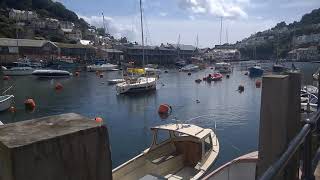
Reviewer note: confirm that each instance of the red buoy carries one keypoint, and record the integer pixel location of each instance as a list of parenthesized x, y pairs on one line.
[(6, 78), (258, 84), (98, 119), (58, 86), (77, 73), (30, 104), (164, 109)]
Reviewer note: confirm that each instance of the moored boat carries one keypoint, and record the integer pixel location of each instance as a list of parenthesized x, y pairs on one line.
[(101, 67), (255, 71), (115, 81), (223, 67), (190, 67), (178, 151), (5, 102), (279, 67), (20, 68), (216, 77), (134, 85), (48, 73)]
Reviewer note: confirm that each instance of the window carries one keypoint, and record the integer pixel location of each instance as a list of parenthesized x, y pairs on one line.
[(207, 144), (162, 136)]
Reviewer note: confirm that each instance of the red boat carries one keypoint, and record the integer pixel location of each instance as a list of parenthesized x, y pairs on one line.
[(216, 77)]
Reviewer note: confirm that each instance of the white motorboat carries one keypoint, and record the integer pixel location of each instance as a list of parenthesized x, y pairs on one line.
[(178, 151), (102, 67), (17, 71), (190, 67), (309, 101), (115, 81), (133, 85), (223, 67), (5, 102), (49, 73), (243, 167), (311, 89), (152, 71)]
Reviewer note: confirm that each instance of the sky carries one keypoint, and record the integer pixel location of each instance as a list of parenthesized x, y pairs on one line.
[(165, 20)]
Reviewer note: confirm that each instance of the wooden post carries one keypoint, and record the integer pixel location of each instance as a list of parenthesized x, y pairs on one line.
[(279, 121), (64, 147)]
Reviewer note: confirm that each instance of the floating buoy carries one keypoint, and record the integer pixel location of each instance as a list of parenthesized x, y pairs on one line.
[(198, 80), (228, 76), (12, 109), (164, 109), (246, 73), (30, 104), (58, 86), (241, 88), (165, 71), (101, 75), (258, 84), (197, 101), (98, 119), (77, 73), (189, 74), (6, 78)]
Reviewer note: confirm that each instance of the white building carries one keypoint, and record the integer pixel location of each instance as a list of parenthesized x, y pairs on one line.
[(304, 54), (75, 34), (223, 55), (66, 26), (312, 38), (19, 15)]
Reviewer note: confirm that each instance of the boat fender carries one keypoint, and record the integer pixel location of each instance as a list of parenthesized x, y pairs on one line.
[(30, 104), (189, 74), (6, 78), (258, 84), (227, 76), (12, 109), (98, 119), (58, 86)]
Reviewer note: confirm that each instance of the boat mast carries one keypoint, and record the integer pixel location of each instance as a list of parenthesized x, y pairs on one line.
[(178, 47), (221, 29), (142, 35), (105, 32)]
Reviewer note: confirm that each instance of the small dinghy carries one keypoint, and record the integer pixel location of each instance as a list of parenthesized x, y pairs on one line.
[(178, 151), (5, 102), (216, 77), (51, 73)]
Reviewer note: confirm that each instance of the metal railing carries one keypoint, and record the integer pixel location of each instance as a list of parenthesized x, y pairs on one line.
[(304, 139)]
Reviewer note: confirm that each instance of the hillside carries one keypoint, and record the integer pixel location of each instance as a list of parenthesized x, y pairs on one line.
[(282, 38), (44, 9)]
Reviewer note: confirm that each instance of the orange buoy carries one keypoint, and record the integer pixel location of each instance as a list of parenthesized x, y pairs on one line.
[(30, 104), (12, 109), (258, 84), (58, 86), (164, 109), (98, 119), (77, 73), (6, 78)]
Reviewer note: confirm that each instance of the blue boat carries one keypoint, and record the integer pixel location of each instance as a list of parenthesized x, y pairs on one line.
[(255, 71)]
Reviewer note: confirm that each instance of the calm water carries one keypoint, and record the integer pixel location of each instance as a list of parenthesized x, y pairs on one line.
[(130, 117)]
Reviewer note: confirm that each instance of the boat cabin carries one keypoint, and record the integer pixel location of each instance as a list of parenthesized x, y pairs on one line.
[(178, 151)]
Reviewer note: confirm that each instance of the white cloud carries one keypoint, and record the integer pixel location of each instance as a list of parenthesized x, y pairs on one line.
[(221, 8), (114, 27), (163, 14)]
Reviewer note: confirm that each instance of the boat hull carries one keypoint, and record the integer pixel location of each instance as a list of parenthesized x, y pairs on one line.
[(5, 102), (51, 74), (253, 72)]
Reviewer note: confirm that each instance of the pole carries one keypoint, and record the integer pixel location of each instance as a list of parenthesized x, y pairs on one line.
[(142, 35), (221, 29)]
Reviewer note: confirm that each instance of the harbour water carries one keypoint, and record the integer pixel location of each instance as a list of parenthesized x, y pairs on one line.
[(128, 117)]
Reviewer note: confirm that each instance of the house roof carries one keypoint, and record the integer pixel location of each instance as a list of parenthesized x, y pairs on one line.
[(184, 47), (73, 46), (188, 129), (22, 42)]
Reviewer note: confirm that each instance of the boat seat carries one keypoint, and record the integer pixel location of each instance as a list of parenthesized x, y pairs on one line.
[(164, 158)]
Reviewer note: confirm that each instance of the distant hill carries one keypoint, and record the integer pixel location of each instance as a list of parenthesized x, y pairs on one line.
[(281, 38)]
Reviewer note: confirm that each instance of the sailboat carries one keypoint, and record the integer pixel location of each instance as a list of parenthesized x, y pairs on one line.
[(143, 83), (277, 66)]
